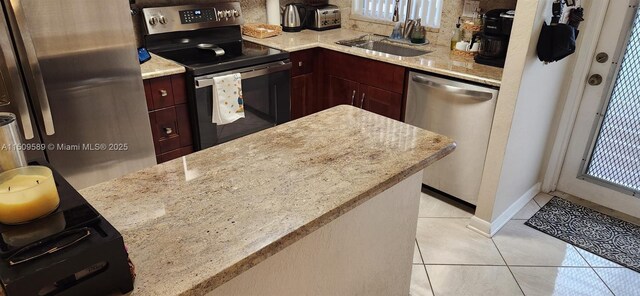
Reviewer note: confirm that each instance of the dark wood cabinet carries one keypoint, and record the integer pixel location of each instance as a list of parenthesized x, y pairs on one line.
[(380, 101), (169, 116), (374, 86), (322, 78), (304, 98), (341, 91), (302, 95)]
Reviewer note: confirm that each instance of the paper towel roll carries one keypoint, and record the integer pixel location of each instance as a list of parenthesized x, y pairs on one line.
[(273, 12)]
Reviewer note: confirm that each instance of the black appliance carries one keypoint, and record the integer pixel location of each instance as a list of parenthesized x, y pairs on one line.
[(72, 251), (494, 39), (265, 71)]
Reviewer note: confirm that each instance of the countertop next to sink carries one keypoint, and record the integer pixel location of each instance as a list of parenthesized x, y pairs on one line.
[(158, 66), (194, 223), (440, 61)]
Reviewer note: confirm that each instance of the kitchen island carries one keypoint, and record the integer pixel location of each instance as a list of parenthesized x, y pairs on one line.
[(323, 205)]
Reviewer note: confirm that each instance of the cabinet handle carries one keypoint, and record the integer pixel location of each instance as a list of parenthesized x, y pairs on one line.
[(362, 101), (163, 93), (353, 97), (299, 64), (168, 130)]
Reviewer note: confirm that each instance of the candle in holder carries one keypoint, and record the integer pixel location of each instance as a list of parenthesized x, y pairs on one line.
[(27, 193)]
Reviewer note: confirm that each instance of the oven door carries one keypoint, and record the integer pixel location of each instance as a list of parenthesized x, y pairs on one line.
[(267, 102)]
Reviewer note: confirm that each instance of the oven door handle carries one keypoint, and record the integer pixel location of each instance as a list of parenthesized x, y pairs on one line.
[(265, 71), (253, 73)]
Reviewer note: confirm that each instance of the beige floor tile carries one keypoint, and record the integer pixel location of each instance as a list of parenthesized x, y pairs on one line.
[(419, 282), (457, 280), (431, 207), (560, 281), (542, 198), (527, 211), (597, 261), (449, 241), (522, 245), (622, 281), (416, 255)]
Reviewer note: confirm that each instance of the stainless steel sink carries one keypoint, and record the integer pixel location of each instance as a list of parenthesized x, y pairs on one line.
[(382, 44)]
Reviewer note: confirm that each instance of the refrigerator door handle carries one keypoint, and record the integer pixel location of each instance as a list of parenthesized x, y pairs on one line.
[(15, 86), (477, 95), (34, 66)]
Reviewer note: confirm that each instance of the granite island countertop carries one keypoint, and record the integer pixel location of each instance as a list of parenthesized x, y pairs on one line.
[(158, 66), (440, 61), (194, 223)]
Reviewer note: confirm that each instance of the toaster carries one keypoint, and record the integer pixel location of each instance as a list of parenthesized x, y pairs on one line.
[(324, 18)]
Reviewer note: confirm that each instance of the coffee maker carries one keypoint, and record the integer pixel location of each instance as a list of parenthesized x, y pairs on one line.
[(494, 38)]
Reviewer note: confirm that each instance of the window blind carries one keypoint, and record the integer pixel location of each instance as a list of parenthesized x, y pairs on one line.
[(429, 11)]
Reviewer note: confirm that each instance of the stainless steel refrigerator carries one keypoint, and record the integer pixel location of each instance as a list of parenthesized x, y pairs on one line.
[(70, 73)]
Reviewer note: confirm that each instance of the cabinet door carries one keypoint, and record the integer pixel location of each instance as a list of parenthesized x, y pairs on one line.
[(341, 91), (302, 62), (380, 101), (302, 96)]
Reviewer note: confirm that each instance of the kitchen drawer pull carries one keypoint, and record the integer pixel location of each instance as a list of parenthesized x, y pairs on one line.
[(168, 130), (353, 97), (362, 101), (478, 95), (163, 93)]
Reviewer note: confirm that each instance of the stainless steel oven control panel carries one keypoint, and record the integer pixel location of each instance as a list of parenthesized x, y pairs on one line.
[(191, 17)]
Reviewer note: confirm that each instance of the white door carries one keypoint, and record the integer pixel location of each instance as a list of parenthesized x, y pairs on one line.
[(602, 163)]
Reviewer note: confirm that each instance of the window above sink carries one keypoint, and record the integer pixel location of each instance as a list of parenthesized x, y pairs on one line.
[(430, 11)]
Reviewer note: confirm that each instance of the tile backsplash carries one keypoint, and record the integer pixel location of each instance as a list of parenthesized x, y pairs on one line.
[(255, 11)]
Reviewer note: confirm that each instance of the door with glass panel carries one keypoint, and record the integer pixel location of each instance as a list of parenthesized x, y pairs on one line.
[(603, 160)]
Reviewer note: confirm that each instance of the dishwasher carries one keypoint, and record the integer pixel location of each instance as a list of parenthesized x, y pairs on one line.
[(463, 112)]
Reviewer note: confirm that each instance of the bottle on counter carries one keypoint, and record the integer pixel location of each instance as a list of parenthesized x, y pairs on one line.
[(477, 18), (397, 32), (419, 33), (456, 36)]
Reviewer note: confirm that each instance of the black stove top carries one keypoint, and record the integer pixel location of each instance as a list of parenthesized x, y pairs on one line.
[(238, 54)]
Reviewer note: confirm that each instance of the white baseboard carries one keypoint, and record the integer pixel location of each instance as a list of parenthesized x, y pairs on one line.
[(489, 229)]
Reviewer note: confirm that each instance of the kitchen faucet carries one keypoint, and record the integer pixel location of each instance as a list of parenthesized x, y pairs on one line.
[(408, 23)]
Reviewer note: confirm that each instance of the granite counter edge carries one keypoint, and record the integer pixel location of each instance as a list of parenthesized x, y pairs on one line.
[(278, 245), (445, 72)]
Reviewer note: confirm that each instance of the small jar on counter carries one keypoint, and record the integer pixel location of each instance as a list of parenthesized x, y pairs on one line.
[(419, 34)]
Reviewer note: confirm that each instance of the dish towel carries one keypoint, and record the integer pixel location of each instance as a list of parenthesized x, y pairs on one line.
[(228, 105)]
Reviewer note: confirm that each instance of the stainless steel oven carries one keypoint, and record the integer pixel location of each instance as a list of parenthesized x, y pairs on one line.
[(186, 34), (266, 94)]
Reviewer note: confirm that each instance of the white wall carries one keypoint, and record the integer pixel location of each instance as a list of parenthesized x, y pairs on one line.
[(530, 93)]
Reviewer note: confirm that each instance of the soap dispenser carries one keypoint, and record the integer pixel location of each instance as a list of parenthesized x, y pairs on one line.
[(456, 36), (419, 33)]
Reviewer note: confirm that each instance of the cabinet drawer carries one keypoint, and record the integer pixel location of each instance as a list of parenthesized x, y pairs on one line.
[(173, 154), (165, 91), (161, 92), (170, 128), (301, 62)]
